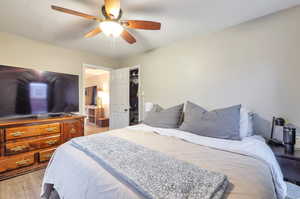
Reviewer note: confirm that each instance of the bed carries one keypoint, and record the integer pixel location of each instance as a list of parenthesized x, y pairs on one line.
[(249, 164)]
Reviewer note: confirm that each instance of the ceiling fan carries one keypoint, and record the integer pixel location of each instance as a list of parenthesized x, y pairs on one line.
[(112, 25)]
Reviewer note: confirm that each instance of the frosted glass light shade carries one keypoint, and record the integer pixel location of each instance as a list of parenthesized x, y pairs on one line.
[(111, 28)]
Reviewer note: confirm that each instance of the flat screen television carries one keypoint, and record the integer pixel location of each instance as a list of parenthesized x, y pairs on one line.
[(27, 92)]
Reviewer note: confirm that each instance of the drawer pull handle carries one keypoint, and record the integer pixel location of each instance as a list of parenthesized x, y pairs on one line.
[(18, 133), (51, 142), (51, 129), (73, 131), (22, 162), (48, 155), (18, 148)]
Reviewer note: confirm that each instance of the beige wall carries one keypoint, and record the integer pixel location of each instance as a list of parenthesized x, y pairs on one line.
[(255, 63), (102, 82), (21, 52)]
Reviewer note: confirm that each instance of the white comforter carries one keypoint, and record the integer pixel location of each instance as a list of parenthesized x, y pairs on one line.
[(253, 146), (102, 185)]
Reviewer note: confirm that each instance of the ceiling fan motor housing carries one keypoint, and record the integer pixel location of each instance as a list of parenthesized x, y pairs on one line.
[(109, 17)]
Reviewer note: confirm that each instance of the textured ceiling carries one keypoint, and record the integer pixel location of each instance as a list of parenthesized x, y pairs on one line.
[(180, 19)]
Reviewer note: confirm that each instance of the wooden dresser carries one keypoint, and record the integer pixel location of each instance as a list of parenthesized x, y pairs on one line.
[(27, 145)]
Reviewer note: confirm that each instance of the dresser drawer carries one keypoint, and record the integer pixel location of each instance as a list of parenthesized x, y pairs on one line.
[(50, 128), (21, 132), (73, 129), (50, 141), (29, 131), (46, 155), (31, 144), (16, 162)]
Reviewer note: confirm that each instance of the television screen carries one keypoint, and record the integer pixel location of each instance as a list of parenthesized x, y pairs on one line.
[(32, 92)]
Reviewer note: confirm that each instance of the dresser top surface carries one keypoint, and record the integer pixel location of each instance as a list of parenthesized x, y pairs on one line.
[(5, 123)]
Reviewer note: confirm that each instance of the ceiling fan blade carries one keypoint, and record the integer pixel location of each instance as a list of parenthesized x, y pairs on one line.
[(112, 8), (138, 24), (73, 12), (128, 37), (93, 32)]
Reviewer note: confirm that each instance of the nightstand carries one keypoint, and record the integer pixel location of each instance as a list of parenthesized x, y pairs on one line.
[(289, 163), (103, 122)]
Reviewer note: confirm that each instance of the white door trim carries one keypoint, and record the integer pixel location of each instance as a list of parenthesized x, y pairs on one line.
[(96, 67)]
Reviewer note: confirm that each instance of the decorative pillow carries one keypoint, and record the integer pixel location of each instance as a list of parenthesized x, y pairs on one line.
[(246, 123), (221, 123), (148, 106), (164, 118), (250, 124)]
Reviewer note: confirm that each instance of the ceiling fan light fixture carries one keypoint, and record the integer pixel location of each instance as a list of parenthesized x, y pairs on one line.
[(111, 28), (111, 25)]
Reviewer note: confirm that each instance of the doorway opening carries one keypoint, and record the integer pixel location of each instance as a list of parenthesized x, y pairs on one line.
[(96, 99), (134, 97)]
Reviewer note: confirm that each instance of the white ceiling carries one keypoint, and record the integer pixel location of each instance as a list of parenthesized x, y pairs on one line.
[(180, 19)]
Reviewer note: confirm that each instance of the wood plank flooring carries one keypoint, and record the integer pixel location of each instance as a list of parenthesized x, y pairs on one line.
[(26, 186), (89, 129)]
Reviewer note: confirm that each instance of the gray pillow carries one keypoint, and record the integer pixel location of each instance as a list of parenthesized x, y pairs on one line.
[(221, 123), (164, 118)]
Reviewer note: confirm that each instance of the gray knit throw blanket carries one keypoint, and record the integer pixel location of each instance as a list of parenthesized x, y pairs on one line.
[(152, 174)]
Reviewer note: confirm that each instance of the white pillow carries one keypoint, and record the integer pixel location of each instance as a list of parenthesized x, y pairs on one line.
[(246, 123), (250, 124), (148, 106)]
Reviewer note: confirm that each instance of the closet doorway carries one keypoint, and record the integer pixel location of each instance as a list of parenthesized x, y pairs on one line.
[(134, 96), (125, 98)]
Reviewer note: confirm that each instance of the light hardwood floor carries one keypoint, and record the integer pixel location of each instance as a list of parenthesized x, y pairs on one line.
[(89, 129), (26, 186)]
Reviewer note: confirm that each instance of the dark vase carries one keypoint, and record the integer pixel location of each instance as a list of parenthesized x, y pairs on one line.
[(289, 139)]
